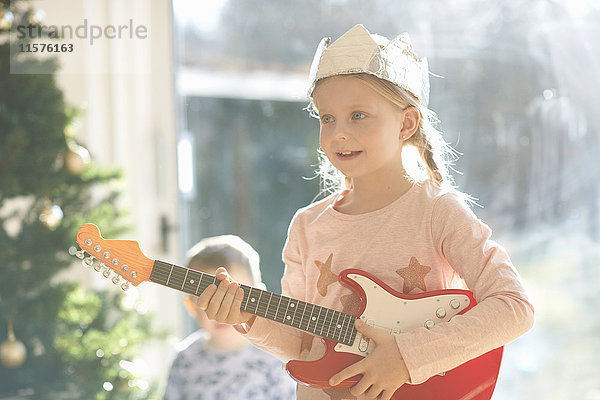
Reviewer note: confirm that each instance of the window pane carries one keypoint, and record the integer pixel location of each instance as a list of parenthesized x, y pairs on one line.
[(516, 88), (251, 159)]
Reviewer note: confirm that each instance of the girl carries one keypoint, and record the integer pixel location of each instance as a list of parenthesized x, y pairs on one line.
[(397, 218)]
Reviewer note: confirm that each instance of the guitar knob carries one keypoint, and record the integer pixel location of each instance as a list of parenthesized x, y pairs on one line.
[(363, 345), (429, 324), (87, 262), (454, 304)]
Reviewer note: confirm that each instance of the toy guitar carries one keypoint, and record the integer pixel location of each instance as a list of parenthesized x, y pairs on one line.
[(381, 307)]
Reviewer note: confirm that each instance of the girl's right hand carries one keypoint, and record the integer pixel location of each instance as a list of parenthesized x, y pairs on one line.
[(223, 303)]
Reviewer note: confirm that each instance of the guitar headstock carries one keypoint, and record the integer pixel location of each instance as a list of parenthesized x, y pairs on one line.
[(123, 257)]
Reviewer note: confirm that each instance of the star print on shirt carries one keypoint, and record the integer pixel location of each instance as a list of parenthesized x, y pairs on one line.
[(350, 304), (326, 277), (414, 276)]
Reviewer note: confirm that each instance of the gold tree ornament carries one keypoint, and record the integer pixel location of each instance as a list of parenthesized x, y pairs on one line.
[(77, 158), (12, 351), (51, 216), (6, 19)]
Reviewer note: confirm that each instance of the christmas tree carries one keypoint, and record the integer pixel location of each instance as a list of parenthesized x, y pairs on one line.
[(57, 340)]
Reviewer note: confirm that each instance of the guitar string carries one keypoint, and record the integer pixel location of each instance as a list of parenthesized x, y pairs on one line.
[(177, 274)]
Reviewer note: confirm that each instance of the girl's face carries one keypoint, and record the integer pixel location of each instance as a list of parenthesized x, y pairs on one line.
[(361, 131)]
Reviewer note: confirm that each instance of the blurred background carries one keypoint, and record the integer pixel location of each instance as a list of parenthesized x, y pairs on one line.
[(198, 129)]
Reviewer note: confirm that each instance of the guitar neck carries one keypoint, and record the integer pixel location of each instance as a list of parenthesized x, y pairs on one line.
[(307, 317)]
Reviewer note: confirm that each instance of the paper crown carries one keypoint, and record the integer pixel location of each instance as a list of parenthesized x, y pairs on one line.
[(358, 51)]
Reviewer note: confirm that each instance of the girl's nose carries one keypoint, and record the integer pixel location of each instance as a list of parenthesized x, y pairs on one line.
[(340, 133)]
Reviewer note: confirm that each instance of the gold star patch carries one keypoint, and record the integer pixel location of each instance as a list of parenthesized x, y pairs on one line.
[(350, 304), (326, 277), (414, 276)]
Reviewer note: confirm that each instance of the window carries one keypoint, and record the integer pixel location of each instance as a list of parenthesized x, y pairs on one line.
[(517, 96)]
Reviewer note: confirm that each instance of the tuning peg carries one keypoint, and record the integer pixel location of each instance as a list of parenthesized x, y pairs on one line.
[(125, 286), (87, 261), (116, 279), (106, 273), (99, 266), (74, 251)]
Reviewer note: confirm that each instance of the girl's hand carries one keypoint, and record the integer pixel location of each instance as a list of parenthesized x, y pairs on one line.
[(383, 371), (223, 303)]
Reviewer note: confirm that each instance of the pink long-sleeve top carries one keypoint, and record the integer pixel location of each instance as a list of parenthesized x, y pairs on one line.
[(426, 240)]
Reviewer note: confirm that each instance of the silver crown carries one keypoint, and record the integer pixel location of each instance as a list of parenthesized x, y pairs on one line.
[(358, 51)]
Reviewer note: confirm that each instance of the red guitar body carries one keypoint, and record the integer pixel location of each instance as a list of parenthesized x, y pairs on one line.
[(380, 304)]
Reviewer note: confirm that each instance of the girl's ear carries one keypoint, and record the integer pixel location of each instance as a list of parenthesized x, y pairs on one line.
[(410, 122)]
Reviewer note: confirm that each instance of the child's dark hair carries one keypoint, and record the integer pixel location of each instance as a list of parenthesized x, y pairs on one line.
[(225, 251)]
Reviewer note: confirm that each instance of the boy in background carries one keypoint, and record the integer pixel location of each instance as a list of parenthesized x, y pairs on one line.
[(216, 362)]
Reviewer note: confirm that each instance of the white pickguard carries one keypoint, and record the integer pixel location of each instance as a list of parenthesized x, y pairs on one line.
[(395, 315)]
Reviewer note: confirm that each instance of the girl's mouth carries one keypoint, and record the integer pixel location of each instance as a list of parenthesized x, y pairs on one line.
[(347, 155)]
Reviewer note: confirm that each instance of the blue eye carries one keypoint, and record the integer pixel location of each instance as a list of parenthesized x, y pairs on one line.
[(325, 119), (358, 115)]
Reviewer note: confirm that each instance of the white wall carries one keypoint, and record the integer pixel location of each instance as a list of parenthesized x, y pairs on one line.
[(129, 121)]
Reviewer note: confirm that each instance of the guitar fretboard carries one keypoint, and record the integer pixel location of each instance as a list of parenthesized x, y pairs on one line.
[(307, 317)]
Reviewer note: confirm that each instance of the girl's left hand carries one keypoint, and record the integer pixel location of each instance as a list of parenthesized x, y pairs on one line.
[(383, 371)]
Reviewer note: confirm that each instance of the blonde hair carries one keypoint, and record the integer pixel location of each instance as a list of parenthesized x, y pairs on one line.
[(424, 155), (223, 251)]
